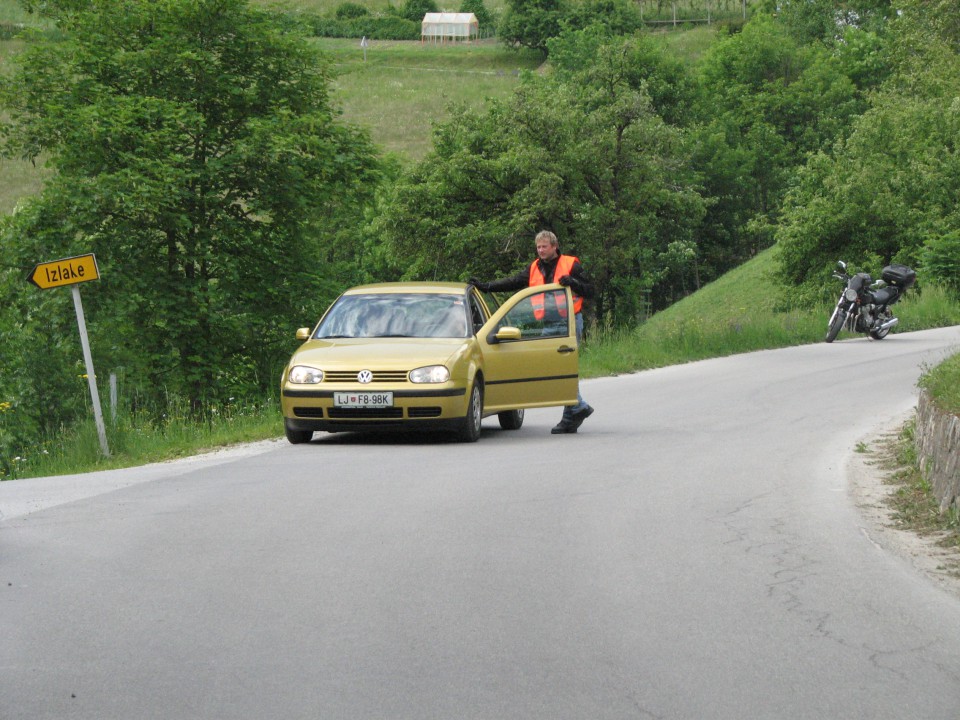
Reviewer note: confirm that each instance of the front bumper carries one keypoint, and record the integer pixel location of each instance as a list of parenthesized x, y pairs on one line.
[(421, 408)]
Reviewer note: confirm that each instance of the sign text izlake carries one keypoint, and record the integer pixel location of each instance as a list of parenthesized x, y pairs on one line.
[(67, 271)]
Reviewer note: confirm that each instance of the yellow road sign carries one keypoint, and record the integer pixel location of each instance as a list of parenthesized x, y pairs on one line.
[(67, 271)]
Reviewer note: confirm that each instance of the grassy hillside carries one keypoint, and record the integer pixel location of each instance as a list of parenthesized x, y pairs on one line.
[(736, 314), (402, 88), (11, 11), (397, 90), (17, 178)]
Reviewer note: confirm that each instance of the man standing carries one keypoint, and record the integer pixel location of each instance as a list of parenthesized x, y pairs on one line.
[(552, 267)]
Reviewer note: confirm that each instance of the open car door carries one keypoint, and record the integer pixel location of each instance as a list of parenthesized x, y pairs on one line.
[(530, 352)]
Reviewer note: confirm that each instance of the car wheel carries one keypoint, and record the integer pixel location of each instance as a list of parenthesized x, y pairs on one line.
[(470, 429), (297, 436), (511, 420)]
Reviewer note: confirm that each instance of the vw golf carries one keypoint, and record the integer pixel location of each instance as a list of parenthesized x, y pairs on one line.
[(430, 356)]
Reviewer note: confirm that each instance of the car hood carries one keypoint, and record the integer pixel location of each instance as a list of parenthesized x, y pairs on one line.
[(371, 353)]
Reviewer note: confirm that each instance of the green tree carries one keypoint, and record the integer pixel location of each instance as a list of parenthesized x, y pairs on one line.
[(889, 191), (766, 102), (531, 23), (826, 20), (415, 9), (484, 19), (197, 152), (620, 17), (350, 10), (632, 60), (940, 259), (587, 157)]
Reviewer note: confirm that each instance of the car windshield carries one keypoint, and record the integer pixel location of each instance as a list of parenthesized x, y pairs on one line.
[(418, 315)]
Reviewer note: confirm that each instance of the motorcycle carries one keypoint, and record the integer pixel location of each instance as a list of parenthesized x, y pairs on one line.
[(864, 305)]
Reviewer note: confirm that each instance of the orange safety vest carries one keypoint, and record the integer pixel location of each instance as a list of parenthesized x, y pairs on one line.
[(564, 267)]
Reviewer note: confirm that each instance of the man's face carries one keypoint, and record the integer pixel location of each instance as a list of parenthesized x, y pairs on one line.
[(546, 251)]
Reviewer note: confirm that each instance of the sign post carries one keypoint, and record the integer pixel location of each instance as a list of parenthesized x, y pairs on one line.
[(364, 43), (73, 271)]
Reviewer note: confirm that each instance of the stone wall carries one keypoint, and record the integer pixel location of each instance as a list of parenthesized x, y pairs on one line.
[(938, 449)]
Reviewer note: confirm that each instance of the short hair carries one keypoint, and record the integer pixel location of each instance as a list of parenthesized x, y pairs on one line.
[(547, 235)]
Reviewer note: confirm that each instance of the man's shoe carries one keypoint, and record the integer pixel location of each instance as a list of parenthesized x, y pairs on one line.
[(579, 416), (563, 427)]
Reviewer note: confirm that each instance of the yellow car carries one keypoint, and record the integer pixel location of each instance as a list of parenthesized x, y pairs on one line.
[(430, 356)]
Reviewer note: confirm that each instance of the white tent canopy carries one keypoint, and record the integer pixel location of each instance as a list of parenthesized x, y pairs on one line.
[(449, 26)]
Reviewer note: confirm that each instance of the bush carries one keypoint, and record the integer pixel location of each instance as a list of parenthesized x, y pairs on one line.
[(620, 17), (349, 10), (389, 27), (941, 259), (479, 10), (414, 10), (8, 31)]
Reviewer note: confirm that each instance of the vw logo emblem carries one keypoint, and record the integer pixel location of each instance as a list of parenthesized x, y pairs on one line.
[(364, 376)]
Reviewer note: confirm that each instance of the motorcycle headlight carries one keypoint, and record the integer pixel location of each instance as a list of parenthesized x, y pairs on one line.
[(850, 295), (304, 375), (430, 374)]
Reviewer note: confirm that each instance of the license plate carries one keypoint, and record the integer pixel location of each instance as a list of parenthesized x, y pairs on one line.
[(363, 399)]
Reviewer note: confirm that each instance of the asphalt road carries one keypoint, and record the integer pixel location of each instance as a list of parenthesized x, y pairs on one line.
[(692, 553)]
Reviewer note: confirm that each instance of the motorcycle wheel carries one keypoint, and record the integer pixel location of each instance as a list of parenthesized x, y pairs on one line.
[(836, 323), (879, 334)]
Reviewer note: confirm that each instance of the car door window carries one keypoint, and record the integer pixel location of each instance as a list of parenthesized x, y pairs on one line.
[(538, 316), (530, 352)]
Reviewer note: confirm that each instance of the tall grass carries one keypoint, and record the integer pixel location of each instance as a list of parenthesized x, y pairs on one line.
[(658, 343), (943, 384), (139, 439)]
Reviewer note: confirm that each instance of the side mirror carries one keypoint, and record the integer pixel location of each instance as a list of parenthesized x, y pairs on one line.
[(505, 334), (303, 334), (842, 265)]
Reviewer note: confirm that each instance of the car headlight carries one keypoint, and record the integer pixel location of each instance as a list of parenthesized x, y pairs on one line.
[(303, 375), (430, 374)]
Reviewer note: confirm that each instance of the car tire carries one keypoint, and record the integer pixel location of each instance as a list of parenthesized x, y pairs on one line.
[(295, 437), (470, 427), (511, 419)]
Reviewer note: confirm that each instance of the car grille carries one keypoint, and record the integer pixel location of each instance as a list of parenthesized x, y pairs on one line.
[(423, 412), (378, 377), (364, 413), (390, 413), (314, 412)]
